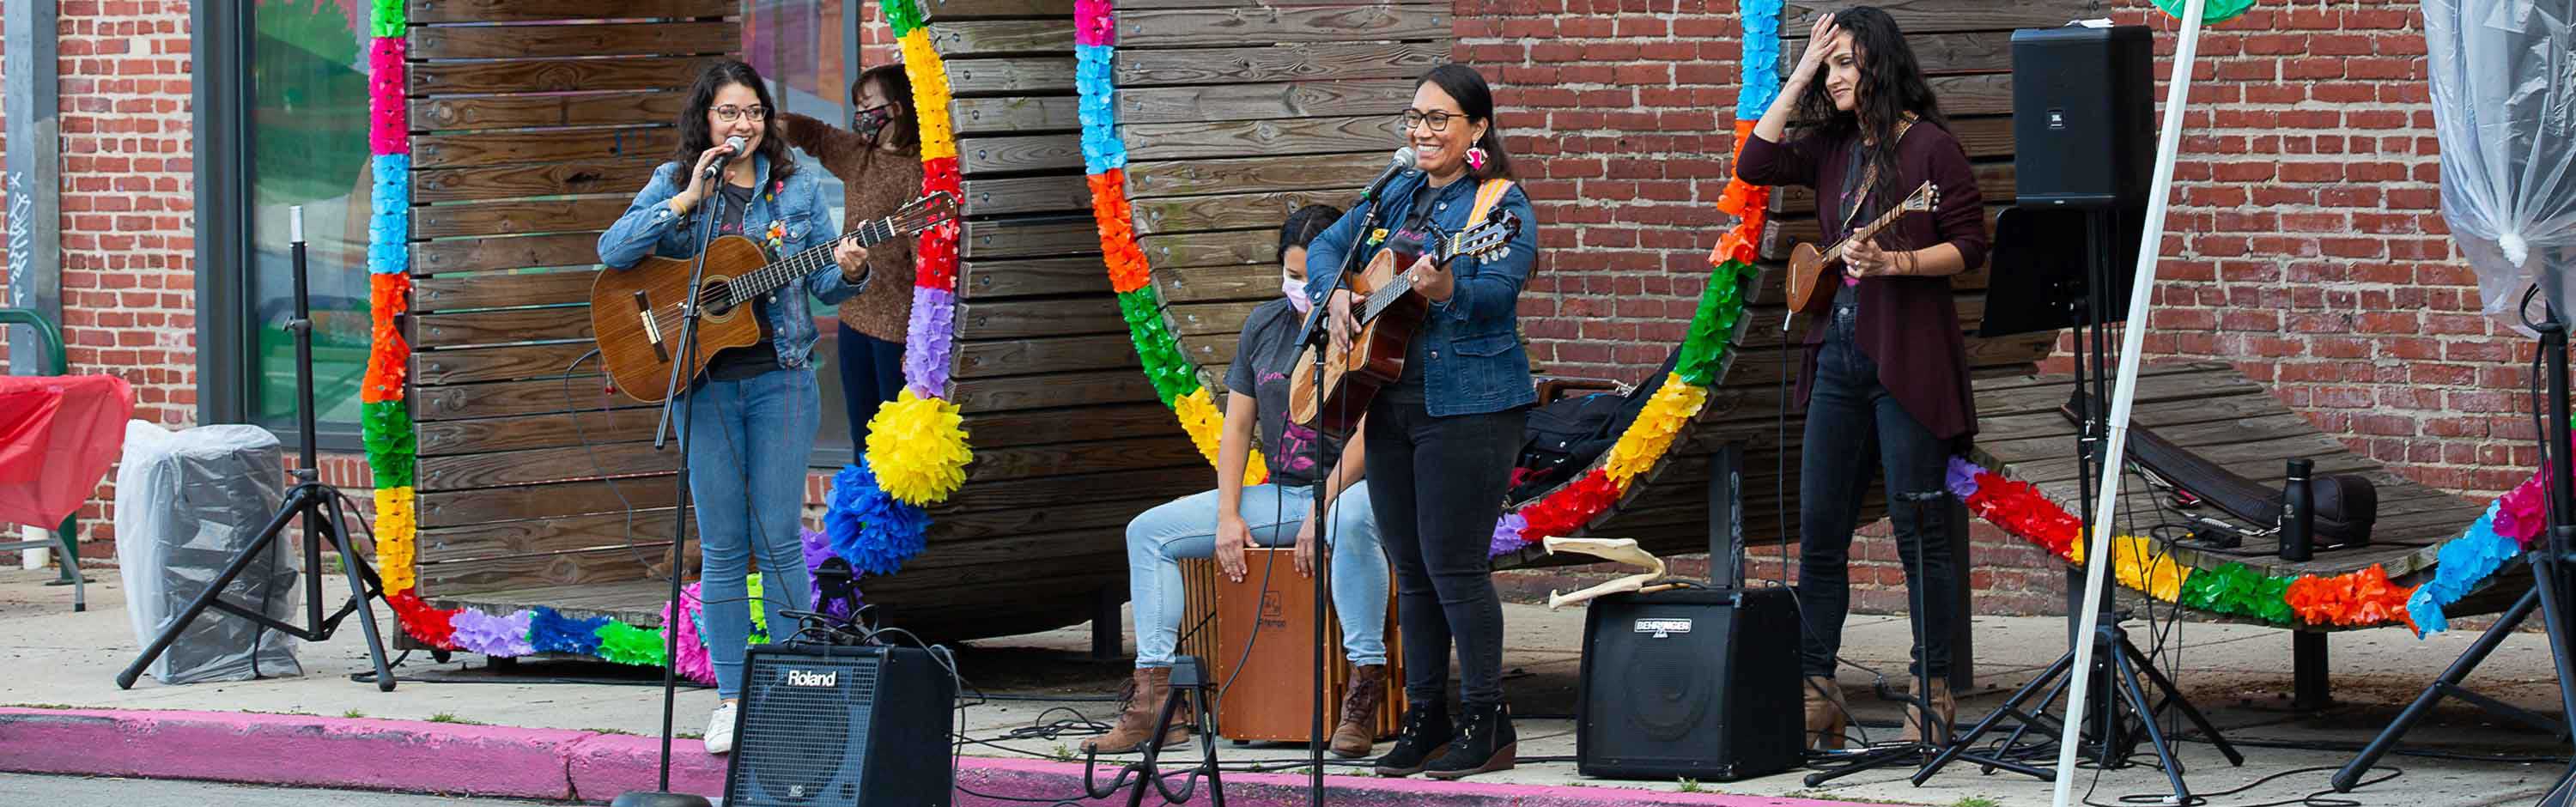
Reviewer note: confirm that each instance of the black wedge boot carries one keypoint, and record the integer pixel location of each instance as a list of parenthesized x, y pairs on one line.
[(1426, 736), (1485, 743)]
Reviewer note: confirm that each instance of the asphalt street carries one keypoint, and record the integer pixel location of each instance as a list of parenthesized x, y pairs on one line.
[(73, 791)]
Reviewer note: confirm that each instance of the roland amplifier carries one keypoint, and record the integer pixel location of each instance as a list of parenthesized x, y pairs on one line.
[(1696, 683), (832, 725)]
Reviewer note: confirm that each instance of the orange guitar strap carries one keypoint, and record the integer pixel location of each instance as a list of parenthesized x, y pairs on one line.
[(1488, 195)]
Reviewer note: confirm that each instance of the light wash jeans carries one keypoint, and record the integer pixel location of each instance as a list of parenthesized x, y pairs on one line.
[(1186, 528), (748, 441)]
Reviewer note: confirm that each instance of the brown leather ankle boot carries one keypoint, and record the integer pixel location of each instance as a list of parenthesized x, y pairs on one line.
[(1357, 733), (1825, 713), (1945, 711), (1145, 695)]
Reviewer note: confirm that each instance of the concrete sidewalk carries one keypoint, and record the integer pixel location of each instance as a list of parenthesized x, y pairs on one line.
[(578, 740)]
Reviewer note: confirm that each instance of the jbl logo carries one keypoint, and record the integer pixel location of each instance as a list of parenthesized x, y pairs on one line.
[(801, 678)]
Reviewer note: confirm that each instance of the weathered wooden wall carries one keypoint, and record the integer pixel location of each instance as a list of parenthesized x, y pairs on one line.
[(529, 137)]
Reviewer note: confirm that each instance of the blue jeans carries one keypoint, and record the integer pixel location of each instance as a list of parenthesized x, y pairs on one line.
[(1186, 528), (748, 442), (1852, 420), (871, 375)]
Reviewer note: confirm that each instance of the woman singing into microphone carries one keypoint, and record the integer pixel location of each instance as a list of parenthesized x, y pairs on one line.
[(1442, 439), (750, 419), (1885, 375)]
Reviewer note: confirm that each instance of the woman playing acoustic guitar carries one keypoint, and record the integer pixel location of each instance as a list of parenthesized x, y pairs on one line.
[(1885, 375), (1442, 438), (750, 419)]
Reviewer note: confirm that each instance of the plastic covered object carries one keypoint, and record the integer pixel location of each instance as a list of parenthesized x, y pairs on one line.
[(186, 503), (2504, 107)]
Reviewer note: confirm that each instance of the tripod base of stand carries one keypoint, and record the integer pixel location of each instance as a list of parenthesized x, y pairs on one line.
[(1845, 764), (2113, 740), (658, 799), (319, 507)]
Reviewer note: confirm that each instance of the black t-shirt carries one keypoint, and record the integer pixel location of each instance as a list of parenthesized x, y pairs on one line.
[(738, 363), (1414, 229), (1264, 357)]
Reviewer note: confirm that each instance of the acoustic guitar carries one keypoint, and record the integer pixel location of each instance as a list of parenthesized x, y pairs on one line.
[(1388, 313), (1814, 274), (636, 313)]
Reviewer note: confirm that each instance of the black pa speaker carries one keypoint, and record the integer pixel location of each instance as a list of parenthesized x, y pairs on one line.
[(832, 725), (2083, 116), (1697, 683)]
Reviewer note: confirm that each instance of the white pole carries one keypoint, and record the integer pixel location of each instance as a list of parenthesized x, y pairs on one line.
[(2124, 392)]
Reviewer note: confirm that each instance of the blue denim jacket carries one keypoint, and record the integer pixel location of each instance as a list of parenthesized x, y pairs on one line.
[(649, 228), (1472, 340)]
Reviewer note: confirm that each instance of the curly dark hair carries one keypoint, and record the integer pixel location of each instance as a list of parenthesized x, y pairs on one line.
[(1891, 84), (696, 137)]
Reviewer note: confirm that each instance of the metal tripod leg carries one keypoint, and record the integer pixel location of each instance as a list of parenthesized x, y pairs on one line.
[(2173, 697), (309, 500), (207, 598), (363, 586), (2047, 682), (2351, 774)]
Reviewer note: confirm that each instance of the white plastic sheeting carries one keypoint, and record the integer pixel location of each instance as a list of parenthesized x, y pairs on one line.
[(2504, 105), (186, 503)]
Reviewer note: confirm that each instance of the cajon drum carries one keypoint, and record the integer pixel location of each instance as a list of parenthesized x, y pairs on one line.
[(1272, 698)]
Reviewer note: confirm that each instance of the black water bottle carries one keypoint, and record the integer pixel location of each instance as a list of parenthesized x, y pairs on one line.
[(2298, 514)]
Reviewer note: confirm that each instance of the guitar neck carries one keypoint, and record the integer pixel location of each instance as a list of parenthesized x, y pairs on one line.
[(1870, 230), (795, 267), (1378, 300)]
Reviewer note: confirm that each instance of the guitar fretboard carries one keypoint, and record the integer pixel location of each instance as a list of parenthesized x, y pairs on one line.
[(1866, 231), (770, 278), (1440, 252)]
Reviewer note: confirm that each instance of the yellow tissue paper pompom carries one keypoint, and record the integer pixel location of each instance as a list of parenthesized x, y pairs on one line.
[(396, 530), (1657, 424), (917, 447), (2142, 565), (1206, 428)]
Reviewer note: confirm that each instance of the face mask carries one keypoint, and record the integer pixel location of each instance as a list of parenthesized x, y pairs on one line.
[(1296, 291), (871, 123)]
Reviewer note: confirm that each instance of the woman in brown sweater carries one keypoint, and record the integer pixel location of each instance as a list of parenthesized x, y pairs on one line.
[(1885, 373), (879, 162)]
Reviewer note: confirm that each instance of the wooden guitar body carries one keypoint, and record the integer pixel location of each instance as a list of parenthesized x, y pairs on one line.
[(1813, 280), (1374, 362), (635, 316)]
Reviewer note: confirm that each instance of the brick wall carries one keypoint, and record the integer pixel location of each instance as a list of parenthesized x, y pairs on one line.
[(2309, 248), (127, 185)]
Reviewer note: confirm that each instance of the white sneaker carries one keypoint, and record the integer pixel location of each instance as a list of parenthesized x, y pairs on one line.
[(720, 730)]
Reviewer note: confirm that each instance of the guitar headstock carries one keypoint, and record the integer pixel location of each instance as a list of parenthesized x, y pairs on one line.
[(931, 210), (1924, 198), (1484, 240)]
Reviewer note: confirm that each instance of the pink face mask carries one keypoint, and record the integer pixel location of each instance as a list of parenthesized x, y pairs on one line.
[(1296, 291)]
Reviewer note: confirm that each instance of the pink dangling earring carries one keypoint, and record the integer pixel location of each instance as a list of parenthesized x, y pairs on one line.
[(1475, 158)]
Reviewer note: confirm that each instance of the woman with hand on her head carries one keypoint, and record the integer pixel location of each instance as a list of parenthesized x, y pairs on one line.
[(749, 419), (1443, 438), (1885, 376)]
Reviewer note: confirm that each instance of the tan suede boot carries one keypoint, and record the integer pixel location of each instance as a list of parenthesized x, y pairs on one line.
[(1357, 733), (1945, 712), (1825, 713), (1144, 702)]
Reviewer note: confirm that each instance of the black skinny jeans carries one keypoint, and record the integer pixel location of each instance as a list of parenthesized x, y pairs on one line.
[(1850, 419), (1436, 485)]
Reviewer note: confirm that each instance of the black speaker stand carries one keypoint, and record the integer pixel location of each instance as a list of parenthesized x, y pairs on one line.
[(317, 504), (2114, 738), (1188, 682)]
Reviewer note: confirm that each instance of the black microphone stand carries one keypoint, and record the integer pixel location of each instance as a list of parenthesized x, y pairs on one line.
[(672, 400), (1317, 333)]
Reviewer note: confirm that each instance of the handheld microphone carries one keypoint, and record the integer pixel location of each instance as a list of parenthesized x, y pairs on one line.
[(734, 146), (1402, 161)]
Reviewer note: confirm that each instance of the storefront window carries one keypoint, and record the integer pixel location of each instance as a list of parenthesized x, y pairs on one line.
[(308, 132), (802, 47)]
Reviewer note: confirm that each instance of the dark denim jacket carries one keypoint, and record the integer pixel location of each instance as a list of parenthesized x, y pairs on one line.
[(649, 228), (1472, 341)]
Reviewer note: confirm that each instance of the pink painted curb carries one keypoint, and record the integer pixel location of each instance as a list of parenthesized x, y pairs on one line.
[(563, 765)]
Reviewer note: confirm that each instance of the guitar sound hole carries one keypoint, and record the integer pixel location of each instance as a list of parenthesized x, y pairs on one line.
[(714, 297)]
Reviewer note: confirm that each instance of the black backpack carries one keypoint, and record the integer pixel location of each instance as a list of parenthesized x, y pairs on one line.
[(1564, 437)]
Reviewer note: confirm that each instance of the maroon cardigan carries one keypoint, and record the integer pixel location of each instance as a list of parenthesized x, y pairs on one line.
[(1908, 325)]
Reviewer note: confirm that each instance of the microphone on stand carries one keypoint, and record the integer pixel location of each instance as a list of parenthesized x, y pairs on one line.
[(733, 145), (1402, 161)]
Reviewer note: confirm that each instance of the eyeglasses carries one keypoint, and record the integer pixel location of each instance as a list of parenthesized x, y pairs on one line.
[(730, 113), (1438, 120)]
